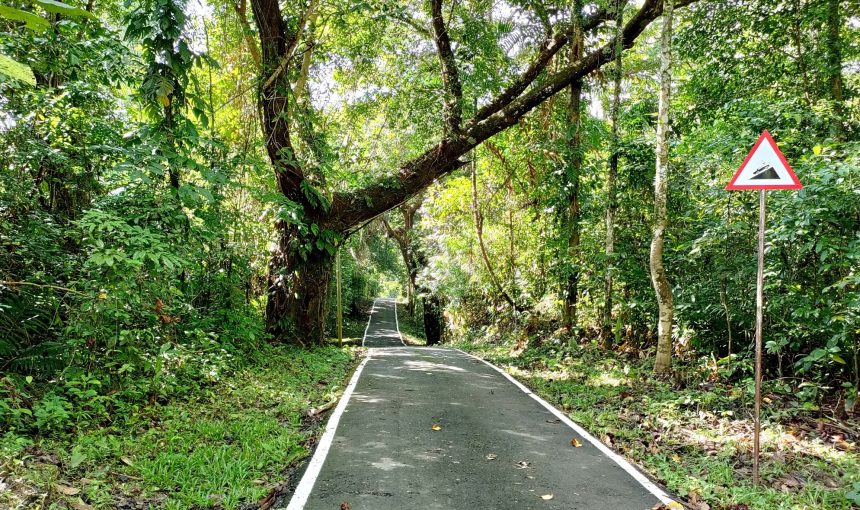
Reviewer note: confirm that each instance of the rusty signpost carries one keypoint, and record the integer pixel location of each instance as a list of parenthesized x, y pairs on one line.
[(765, 168)]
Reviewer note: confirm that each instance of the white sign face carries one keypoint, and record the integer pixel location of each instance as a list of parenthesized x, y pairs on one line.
[(764, 168)]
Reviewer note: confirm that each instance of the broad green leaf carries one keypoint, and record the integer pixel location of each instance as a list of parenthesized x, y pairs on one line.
[(31, 21), (16, 70), (65, 9)]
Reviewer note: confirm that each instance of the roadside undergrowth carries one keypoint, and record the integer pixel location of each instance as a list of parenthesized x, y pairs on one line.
[(693, 433), (228, 446)]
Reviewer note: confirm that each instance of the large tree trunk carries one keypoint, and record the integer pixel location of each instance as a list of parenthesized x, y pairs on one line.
[(611, 199), (663, 360), (571, 294), (298, 289)]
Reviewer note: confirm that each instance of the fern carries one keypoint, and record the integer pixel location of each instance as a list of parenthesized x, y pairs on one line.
[(46, 357)]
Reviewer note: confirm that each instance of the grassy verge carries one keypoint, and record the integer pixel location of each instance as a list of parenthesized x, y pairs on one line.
[(694, 435), (410, 327), (226, 447)]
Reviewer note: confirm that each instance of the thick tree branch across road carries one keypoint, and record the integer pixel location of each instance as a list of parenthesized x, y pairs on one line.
[(351, 210)]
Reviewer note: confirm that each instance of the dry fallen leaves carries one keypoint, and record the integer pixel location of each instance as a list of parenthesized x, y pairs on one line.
[(672, 505), (436, 426), (80, 505), (491, 456), (547, 497), (523, 464), (575, 443), (65, 489), (345, 506)]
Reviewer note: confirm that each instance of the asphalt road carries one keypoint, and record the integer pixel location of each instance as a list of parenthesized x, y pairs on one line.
[(496, 447)]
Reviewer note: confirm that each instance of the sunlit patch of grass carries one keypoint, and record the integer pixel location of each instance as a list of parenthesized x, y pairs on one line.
[(696, 440), (226, 447), (410, 327)]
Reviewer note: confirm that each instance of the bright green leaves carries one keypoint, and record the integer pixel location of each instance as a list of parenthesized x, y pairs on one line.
[(31, 21), (309, 236), (169, 83), (314, 197), (163, 89), (16, 70), (22, 72), (65, 9), (124, 248)]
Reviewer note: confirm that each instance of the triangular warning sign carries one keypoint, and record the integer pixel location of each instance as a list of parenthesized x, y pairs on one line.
[(764, 168)]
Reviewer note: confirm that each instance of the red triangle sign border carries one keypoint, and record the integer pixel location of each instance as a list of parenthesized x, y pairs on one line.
[(764, 136)]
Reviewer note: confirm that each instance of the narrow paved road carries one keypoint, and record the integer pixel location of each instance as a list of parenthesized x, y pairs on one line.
[(498, 447)]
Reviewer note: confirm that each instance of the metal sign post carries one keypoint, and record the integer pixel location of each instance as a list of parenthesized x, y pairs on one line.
[(764, 168), (759, 317)]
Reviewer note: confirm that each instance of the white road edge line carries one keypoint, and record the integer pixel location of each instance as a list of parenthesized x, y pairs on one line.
[(306, 485), (397, 324), (372, 309), (621, 461)]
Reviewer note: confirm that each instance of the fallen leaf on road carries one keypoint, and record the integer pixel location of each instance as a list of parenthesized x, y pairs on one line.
[(575, 443), (547, 497), (491, 456), (672, 505), (436, 426), (523, 464), (65, 489), (344, 506)]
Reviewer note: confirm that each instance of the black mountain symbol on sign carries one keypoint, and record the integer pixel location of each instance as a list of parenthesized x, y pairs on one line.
[(765, 172)]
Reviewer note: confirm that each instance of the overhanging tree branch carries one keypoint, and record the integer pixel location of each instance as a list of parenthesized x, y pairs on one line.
[(351, 210)]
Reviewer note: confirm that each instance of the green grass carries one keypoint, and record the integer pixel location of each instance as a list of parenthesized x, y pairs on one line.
[(228, 446), (410, 327), (696, 437)]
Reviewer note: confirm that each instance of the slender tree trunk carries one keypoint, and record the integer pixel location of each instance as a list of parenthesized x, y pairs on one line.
[(797, 35), (403, 238), (571, 294), (725, 303), (241, 8), (479, 230), (663, 360), (611, 182), (834, 65)]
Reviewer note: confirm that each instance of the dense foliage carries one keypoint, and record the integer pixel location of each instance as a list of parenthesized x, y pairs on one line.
[(726, 94), (174, 187)]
